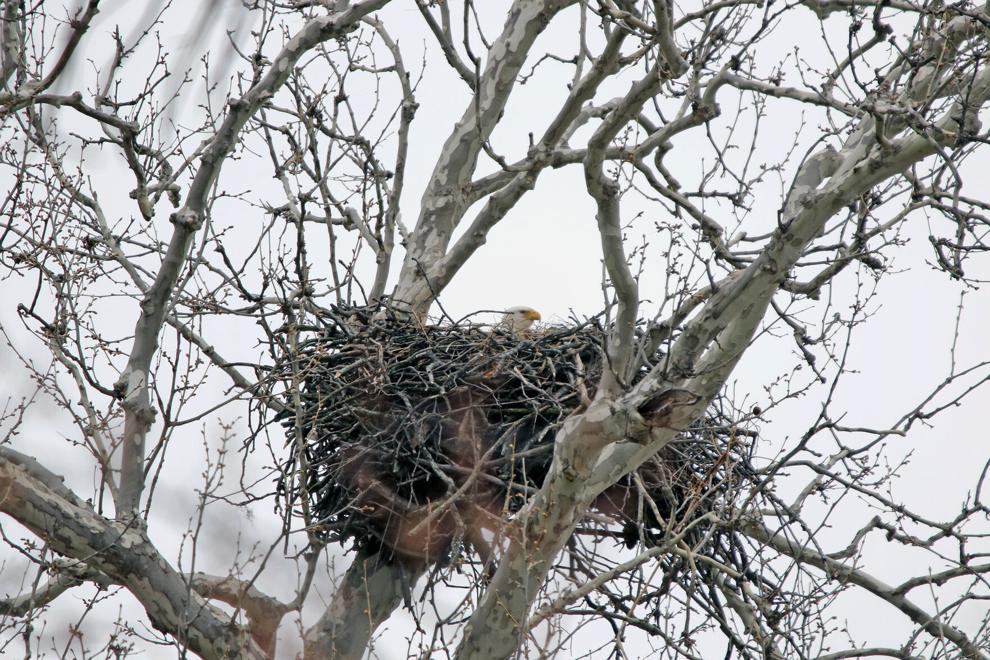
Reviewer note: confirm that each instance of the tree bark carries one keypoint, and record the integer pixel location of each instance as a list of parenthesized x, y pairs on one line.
[(370, 591), (38, 499)]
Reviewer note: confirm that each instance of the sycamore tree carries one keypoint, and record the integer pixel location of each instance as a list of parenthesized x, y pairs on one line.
[(191, 189)]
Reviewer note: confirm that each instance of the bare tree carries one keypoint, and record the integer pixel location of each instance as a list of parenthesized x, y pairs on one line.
[(198, 225)]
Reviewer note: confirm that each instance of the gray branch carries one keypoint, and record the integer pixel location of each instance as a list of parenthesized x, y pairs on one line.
[(39, 500), (370, 590), (444, 201), (133, 384)]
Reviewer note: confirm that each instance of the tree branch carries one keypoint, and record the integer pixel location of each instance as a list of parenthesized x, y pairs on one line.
[(38, 499), (371, 589), (835, 570), (444, 201), (133, 385)]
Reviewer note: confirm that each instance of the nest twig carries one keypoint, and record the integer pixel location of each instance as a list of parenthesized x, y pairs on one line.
[(416, 436)]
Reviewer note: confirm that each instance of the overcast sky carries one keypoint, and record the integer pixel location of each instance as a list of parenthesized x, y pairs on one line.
[(546, 254)]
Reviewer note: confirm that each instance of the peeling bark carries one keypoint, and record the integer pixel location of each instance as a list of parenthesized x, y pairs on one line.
[(444, 202), (366, 596), (37, 499)]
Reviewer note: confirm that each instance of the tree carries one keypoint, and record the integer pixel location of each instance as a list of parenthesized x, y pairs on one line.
[(754, 169)]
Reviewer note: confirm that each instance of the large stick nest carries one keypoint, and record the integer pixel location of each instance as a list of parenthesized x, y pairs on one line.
[(409, 437)]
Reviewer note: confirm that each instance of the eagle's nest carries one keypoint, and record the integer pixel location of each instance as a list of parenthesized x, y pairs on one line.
[(416, 438)]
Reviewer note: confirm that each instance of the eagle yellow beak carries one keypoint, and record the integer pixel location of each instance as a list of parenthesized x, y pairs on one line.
[(532, 315)]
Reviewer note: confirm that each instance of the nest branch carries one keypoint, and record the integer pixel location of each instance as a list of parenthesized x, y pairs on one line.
[(417, 438)]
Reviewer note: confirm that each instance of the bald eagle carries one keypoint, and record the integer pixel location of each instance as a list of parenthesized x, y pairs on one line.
[(517, 320)]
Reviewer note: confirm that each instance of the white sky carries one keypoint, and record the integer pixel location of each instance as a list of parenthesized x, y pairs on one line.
[(546, 255)]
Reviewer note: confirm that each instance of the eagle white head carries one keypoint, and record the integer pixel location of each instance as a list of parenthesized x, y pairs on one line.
[(518, 319)]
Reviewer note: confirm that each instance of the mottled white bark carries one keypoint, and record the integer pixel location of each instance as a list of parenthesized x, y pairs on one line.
[(892, 128), (365, 597), (612, 438), (444, 202), (39, 500), (36, 498)]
